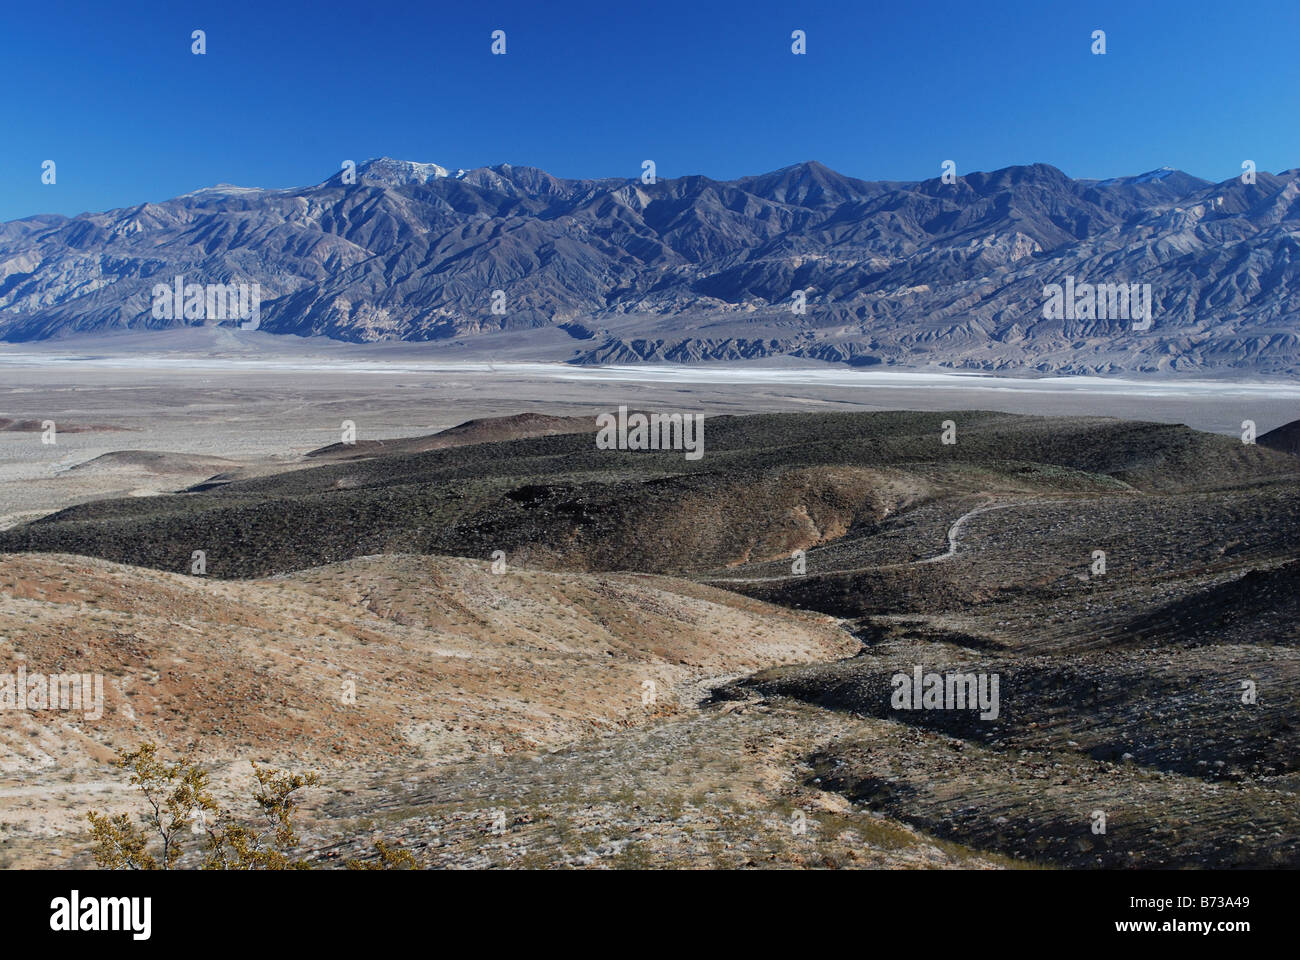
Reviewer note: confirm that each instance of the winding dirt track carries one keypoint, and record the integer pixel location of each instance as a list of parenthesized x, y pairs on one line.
[(953, 532), (955, 529)]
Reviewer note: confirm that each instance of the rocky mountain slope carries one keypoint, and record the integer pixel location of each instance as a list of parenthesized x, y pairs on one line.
[(693, 269), (1131, 586), (393, 663)]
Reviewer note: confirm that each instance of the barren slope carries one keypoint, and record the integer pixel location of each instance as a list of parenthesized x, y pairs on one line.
[(446, 655)]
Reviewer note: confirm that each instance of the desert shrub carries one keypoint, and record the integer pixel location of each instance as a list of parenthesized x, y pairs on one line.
[(179, 807)]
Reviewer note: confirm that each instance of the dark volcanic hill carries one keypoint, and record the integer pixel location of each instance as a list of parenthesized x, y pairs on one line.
[(768, 484), (1285, 438), (695, 269), (486, 430)]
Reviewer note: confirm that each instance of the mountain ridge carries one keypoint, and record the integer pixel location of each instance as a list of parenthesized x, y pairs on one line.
[(692, 269)]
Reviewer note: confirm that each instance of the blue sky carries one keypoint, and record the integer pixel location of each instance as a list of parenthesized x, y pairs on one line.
[(287, 91)]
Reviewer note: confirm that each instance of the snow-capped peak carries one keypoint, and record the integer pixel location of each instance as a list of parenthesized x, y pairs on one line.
[(386, 170)]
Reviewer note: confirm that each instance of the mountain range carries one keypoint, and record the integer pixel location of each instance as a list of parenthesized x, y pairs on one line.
[(692, 269)]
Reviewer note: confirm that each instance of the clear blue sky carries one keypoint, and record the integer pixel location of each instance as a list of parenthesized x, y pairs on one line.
[(288, 90)]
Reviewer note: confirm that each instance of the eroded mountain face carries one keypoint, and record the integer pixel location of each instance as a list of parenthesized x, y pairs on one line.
[(694, 269)]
